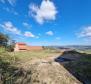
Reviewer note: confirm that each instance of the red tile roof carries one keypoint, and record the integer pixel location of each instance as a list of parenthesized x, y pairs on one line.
[(20, 43)]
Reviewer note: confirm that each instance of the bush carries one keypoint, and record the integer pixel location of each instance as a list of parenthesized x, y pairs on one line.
[(10, 48)]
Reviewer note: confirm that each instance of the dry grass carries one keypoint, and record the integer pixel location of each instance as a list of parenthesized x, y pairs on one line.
[(43, 71), (12, 62), (28, 56)]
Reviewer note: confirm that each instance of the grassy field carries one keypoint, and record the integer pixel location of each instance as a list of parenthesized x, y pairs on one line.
[(30, 55), (2, 49), (11, 62), (85, 51), (25, 56)]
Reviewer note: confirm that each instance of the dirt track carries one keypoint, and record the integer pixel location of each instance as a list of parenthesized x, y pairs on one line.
[(46, 71)]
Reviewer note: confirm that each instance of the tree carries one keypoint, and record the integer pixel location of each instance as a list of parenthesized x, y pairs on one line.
[(3, 40), (6, 42)]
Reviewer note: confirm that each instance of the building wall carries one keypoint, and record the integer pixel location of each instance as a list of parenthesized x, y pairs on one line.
[(16, 48), (20, 47), (24, 47), (30, 48)]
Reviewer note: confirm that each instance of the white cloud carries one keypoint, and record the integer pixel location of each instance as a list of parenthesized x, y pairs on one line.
[(50, 33), (46, 11), (26, 25), (86, 32), (11, 2), (29, 34), (10, 27)]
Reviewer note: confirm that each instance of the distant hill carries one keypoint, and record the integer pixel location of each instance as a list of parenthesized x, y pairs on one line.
[(79, 47)]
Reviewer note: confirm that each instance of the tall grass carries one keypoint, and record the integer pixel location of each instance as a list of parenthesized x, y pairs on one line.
[(2, 49), (7, 66)]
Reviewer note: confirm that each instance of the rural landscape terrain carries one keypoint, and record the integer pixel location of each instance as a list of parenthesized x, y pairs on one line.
[(51, 65), (45, 41)]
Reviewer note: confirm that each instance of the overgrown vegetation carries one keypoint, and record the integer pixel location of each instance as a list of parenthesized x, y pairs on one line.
[(81, 68), (6, 43), (3, 40), (7, 67), (10, 63)]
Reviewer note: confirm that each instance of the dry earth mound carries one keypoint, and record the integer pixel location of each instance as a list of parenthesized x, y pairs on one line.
[(49, 73)]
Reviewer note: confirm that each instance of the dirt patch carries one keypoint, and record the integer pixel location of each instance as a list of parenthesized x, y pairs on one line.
[(51, 73), (45, 72), (41, 71)]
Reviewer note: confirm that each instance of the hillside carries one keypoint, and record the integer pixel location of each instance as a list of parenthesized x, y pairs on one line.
[(34, 68)]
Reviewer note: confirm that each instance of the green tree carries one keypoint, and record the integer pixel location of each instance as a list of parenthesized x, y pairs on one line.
[(6, 42), (3, 40)]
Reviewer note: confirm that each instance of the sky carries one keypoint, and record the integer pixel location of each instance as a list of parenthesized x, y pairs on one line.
[(47, 22)]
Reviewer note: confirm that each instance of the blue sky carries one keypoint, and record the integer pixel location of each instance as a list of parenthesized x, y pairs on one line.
[(47, 22)]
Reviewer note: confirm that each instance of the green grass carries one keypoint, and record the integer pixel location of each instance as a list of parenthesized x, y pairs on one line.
[(7, 66), (2, 49), (85, 51), (29, 55), (10, 62), (25, 56)]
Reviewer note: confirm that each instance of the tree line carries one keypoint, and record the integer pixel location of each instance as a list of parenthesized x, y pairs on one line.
[(6, 42)]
